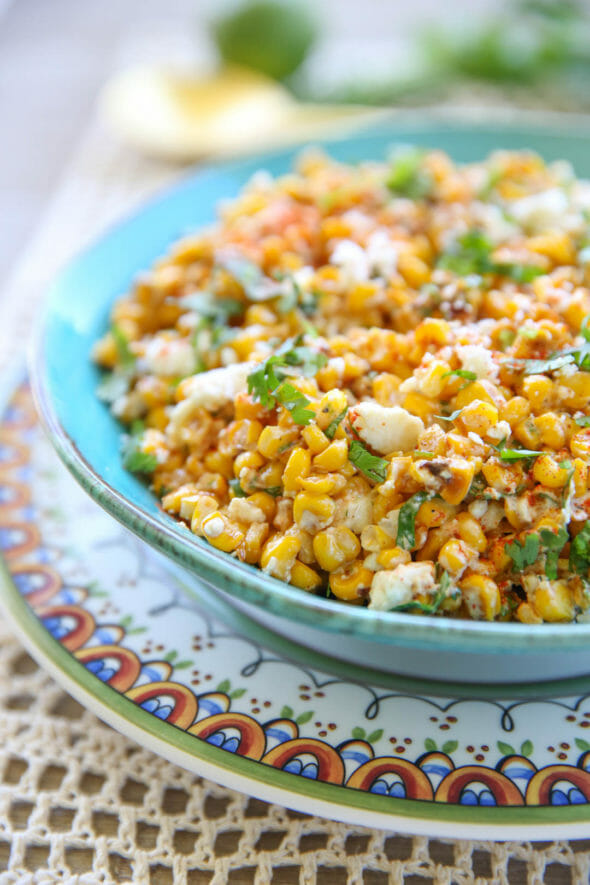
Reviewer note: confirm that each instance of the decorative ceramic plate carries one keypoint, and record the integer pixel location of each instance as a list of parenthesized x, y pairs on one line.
[(88, 438), (112, 623)]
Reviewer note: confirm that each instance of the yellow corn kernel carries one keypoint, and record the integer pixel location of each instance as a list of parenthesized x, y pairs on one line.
[(374, 538), (105, 352), (385, 387), (437, 537), (552, 430), (433, 331), (580, 443), (328, 377), (205, 505), (515, 410), (273, 441), (455, 555), (157, 418), (242, 434), (476, 390), (335, 547), (304, 577), (455, 488), (313, 512), (527, 615), (528, 434), (172, 501), (331, 406), (433, 381), (297, 468), (249, 460), (420, 405), (392, 557), (220, 532), (538, 389), (315, 439), (359, 296), (334, 457), (350, 581), (553, 601), (556, 246), (549, 473), (217, 462), (498, 556), (278, 556), (481, 596), (265, 502), (433, 439), (517, 510), (258, 314), (415, 271), (323, 483), (270, 477), (433, 513), (245, 407), (251, 547), (478, 416), (580, 476), (471, 532)]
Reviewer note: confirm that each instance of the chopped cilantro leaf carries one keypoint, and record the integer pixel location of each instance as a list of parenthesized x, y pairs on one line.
[(583, 421), (406, 526), (295, 402), (506, 338), (580, 551), (124, 353), (275, 491), (134, 459), (554, 542), (213, 309), (268, 385), (538, 367), (472, 253), (335, 423), (374, 468), (450, 417), (256, 285), (525, 554), (515, 454), (407, 177), (461, 373), (236, 488), (428, 608)]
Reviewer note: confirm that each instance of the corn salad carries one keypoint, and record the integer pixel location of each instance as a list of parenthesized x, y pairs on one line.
[(373, 382)]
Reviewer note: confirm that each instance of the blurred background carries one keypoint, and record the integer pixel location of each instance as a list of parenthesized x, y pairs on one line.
[(185, 80)]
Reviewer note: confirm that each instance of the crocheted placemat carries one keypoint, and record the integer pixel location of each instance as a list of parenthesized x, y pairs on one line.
[(79, 803)]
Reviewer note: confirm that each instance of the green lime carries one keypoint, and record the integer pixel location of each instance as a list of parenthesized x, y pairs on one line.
[(269, 36)]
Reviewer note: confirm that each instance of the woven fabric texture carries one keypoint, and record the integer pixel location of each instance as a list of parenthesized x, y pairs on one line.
[(79, 803)]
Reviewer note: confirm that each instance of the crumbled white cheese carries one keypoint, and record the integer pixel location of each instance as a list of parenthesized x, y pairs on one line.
[(213, 528), (352, 261), (390, 523), (170, 356), (390, 588), (382, 254), (386, 429), (478, 360), (540, 211), (492, 220), (353, 511), (356, 264), (244, 511), (210, 390), (501, 430), (478, 508)]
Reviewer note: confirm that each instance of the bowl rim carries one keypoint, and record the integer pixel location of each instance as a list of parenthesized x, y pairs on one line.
[(241, 579)]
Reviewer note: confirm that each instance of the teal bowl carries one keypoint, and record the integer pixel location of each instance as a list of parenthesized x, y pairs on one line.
[(87, 437)]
